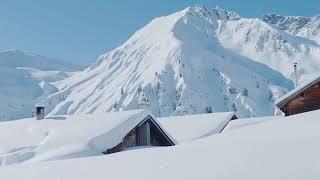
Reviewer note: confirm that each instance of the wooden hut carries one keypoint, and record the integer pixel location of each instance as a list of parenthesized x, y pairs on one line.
[(304, 98)]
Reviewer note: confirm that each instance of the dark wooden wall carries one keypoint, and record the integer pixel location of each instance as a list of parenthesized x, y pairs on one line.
[(308, 100), (138, 137)]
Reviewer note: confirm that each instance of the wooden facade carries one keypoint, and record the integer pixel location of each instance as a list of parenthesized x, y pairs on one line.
[(304, 101), (147, 133)]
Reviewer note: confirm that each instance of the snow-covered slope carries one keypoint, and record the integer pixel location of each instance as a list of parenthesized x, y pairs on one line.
[(179, 64), (307, 27), (281, 149), (25, 79), (264, 43)]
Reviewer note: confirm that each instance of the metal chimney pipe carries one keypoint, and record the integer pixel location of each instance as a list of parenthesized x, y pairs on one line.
[(295, 73)]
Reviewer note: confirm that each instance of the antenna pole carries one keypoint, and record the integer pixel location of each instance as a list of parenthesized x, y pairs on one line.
[(295, 73)]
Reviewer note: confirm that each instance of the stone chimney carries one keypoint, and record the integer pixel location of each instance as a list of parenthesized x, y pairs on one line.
[(295, 74), (39, 112)]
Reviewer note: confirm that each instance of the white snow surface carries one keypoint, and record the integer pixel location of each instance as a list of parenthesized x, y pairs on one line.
[(62, 137), (281, 149), (240, 123), (182, 65), (25, 80), (190, 127)]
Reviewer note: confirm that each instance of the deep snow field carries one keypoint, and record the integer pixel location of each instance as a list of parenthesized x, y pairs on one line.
[(275, 148)]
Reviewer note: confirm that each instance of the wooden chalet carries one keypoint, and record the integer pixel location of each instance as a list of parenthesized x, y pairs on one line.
[(146, 133), (304, 98)]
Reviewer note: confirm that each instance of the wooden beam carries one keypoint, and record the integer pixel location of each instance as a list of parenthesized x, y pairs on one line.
[(148, 134)]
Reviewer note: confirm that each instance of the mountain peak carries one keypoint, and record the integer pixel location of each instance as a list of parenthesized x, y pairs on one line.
[(225, 15), (217, 12), (199, 10)]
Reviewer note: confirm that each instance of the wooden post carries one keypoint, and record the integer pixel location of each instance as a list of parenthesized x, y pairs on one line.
[(148, 134), (295, 74), (144, 134)]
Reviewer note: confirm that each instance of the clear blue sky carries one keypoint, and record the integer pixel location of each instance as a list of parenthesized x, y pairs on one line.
[(80, 30)]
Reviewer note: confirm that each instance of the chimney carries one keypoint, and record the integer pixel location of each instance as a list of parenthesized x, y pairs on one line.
[(39, 112), (295, 73), (143, 102)]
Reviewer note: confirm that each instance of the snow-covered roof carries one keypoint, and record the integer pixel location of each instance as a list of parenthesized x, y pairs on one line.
[(39, 104), (190, 127), (292, 94), (62, 136), (240, 123)]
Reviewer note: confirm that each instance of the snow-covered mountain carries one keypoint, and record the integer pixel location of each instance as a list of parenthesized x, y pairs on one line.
[(307, 27), (25, 80), (194, 61), (267, 44), (180, 64)]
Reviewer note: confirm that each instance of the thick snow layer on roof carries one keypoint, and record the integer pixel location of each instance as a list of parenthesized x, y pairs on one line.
[(281, 101), (190, 127), (240, 123), (283, 149), (65, 136)]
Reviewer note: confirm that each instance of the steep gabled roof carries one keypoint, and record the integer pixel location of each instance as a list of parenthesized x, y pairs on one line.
[(190, 127), (294, 93)]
